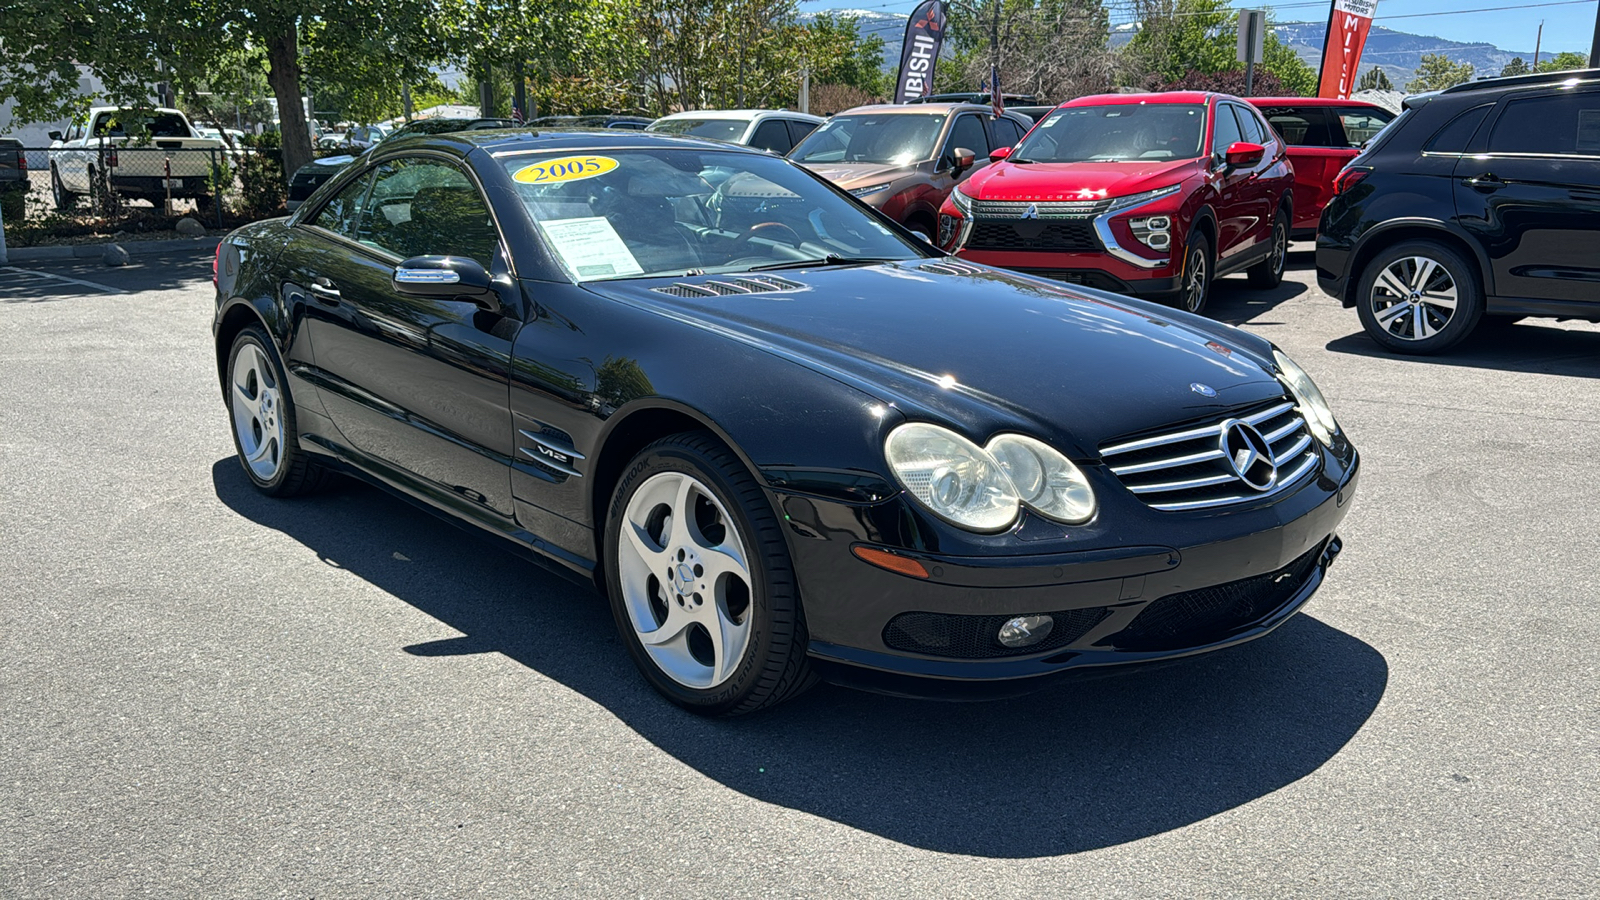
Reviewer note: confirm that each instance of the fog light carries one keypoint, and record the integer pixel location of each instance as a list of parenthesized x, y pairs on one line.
[(1159, 240), (1025, 631)]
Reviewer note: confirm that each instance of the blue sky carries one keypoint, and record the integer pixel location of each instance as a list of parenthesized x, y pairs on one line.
[(1569, 26)]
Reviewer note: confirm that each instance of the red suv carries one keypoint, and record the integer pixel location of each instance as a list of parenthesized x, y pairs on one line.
[(1322, 135), (1153, 194)]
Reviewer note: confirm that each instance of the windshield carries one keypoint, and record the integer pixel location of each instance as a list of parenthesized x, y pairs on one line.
[(716, 129), (889, 139), (647, 213), (1118, 133)]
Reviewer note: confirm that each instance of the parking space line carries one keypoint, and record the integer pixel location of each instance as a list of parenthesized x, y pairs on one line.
[(53, 277)]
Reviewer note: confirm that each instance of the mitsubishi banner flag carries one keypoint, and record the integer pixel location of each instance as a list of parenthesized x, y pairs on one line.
[(1341, 53), (924, 35)]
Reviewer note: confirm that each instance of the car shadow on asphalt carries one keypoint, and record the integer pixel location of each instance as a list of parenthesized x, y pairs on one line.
[(1235, 302), (1071, 768), (55, 280), (1542, 349)]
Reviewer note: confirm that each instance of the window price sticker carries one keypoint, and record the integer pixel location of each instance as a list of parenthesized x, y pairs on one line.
[(590, 247)]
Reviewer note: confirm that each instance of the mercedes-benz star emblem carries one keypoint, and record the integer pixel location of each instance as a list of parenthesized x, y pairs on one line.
[(1249, 455), (1204, 390), (1032, 212)]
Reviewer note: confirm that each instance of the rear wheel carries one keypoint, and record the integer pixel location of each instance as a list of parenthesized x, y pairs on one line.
[(700, 581), (1269, 272), (1419, 297)]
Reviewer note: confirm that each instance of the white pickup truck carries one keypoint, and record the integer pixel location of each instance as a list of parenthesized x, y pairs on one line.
[(148, 153)]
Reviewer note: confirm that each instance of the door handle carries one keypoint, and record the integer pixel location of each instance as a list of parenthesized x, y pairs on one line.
[(1488, 182), (324, 290)]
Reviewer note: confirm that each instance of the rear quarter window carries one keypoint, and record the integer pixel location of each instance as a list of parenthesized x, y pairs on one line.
[(1457, 134)]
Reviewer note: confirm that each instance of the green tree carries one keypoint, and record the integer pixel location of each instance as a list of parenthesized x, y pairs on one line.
[(1515, 67), (1053, 49), (1437, 72), (1564, 62), (1180, 38), (837, 54), (1374, 79)]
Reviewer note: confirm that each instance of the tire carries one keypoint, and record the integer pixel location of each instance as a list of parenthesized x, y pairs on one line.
[(682, 573), (65, 200), (261, 411), (1198, 273), (1419, 297), (1268, 273)]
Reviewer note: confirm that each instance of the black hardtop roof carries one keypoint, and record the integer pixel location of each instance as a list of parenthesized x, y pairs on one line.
[(1540, 79), (502, 140)]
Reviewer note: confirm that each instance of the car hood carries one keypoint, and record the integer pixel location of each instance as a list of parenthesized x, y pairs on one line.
[(989, 351), (854, 175), (1075, 181)]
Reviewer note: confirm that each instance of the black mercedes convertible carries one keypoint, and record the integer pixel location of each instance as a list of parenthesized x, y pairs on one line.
[(783, 436)]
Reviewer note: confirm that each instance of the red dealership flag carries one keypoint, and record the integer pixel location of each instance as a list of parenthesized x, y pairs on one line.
[(1341, 52)]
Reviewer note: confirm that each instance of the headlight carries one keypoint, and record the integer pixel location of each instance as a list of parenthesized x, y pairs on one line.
[(1147, 196), (962, 202), (952, 476), (869, 189), (1045, 480), (1319, 418)]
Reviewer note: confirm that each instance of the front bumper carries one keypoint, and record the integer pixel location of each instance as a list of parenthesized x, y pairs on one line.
[(1096, 270), (1233, 577)]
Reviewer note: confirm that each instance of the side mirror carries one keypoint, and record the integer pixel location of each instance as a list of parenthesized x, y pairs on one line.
[(54, 135), (447, 277), (964, 159), (1242, 154), (999, 153)]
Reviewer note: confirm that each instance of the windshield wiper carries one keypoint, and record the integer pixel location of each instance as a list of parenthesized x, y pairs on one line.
[(832, 259)]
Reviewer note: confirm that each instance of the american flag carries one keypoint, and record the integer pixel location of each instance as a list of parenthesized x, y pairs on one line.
[(516, 114)]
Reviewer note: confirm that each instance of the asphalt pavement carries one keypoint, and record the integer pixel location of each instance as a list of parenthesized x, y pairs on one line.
[(204, 692)]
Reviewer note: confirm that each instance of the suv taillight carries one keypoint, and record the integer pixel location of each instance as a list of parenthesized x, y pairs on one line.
[(22, 161), (1349, 178)]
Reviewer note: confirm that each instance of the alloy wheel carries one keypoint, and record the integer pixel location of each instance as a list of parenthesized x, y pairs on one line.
[(1194, 281), (1280, 248), (686, 581), (257, 412), (1413, 298)]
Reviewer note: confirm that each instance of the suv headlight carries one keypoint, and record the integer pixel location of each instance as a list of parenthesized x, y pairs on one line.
[(869, 189), (1313, 406), (1145, 197), (961, 201), (983, 489)]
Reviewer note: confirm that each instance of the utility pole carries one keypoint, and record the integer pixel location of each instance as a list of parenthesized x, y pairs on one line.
[(1594, 48), (1536, 42), (995, 97)]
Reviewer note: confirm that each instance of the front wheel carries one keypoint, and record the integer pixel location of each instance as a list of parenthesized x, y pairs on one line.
[(65, 200), (1195, 289), (265, 432), (700, 581), (1269, 272), (1419, 297)]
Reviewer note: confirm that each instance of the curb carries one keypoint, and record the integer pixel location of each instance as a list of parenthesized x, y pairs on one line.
[(19, 255)]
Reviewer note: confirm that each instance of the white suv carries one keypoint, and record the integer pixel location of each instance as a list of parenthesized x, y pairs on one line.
[(776, 130)]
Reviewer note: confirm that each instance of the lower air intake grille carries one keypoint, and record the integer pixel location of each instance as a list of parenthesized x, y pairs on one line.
[(1063, 236), (1193, 618), (973, 637)]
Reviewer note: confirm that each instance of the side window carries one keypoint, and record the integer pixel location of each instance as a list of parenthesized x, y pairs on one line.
[(771, 135), (1567, 124), (968, 132), (1249, 125), (1225, 132), (1457, 134), (1362, 125), (798, 130), (423, 207), (1304, 126), (344, 210), (1006, 132)]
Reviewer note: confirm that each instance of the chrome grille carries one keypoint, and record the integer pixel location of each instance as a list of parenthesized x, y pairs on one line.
[(1187, 469), (1013, 209)]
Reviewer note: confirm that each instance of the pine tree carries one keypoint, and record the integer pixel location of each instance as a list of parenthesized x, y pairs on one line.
[(1515, 67), (1375, 79)]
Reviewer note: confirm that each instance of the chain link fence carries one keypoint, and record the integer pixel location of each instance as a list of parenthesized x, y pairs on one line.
[(54, 194)]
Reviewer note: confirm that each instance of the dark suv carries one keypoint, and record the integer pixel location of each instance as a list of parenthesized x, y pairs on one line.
[(1481, 203)]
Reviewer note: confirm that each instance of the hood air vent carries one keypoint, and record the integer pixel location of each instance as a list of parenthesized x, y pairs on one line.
[(951, 267), (722, 287)]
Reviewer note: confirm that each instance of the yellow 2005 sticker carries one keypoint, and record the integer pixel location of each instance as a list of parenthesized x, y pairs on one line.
[(567, 168)]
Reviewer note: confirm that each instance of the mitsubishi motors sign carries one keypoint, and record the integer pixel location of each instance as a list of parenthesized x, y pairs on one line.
[(920, 51), (1341, 53)]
